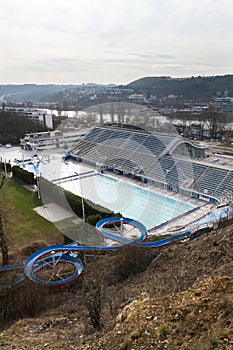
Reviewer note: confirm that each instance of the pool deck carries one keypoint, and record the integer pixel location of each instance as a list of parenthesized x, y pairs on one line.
[(52, 167), (53, 212), (179, 223), (176, 224)]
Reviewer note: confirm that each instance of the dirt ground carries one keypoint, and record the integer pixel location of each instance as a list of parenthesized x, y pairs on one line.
[(182, 301)]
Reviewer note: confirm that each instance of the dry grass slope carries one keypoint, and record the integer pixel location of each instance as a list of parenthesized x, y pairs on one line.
[(182, 301)]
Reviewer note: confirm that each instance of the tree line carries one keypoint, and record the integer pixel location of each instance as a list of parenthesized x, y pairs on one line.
[(194, 87), (14, 127), (212, 121)]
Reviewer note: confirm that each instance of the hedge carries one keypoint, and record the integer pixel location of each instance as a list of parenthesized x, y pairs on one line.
[(8, 166), (23, 175)]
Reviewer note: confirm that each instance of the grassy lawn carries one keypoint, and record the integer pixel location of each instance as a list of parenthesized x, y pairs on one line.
[(22, 225)]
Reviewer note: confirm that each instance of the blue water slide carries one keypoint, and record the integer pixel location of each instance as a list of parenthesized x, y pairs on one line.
[(58, 265)]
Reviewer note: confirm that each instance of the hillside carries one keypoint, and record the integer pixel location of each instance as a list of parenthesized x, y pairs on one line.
[(183, 300), (29, 92), (194, 87)]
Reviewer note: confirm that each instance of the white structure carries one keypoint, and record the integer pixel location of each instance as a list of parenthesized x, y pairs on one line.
[(39, 115), (224, 104), (51, 139)]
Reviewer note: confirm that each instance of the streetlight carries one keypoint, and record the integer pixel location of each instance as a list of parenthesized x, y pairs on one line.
[(5, 168), (83, 209), (38, 186)]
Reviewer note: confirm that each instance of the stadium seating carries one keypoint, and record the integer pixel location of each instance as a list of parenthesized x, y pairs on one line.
[(213, 177), (225, 186), (134, 151)]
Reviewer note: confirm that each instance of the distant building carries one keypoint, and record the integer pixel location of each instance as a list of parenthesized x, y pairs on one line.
[(137, 97), (168, 111), (39, 115), (172, 97), (224, 104)]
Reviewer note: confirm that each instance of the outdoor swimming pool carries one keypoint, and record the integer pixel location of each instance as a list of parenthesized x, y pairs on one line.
[(131, 201), (114, 194)]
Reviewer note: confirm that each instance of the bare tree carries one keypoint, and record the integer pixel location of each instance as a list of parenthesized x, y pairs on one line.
[(185, 120), (227, 135), (121, 113), (101, 115), (2, 181), (112, 112), (216, 122), (203, 124), (94, 299)]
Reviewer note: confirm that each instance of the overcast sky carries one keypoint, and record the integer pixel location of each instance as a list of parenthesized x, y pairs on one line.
[(108, 41)]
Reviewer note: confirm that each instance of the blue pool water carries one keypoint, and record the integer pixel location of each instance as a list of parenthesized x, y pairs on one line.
[(131, 201)]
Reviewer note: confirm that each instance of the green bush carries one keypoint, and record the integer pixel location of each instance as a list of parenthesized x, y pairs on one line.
[(8, 167), (162, 332), (23, 175), (125, 346), (93, 219)]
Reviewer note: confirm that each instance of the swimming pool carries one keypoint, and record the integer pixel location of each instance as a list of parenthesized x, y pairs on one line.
[(131, 201)]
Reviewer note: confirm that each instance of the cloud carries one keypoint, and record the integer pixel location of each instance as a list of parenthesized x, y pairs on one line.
[(55, 39)]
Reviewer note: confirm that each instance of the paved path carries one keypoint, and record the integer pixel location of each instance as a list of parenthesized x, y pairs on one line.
[(53, 212)]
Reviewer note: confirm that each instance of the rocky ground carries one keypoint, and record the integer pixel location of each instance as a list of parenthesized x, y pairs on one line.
[(182, 300)]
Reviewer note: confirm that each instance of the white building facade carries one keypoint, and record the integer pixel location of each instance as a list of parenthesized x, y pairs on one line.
[(224, 104), (39, 115)]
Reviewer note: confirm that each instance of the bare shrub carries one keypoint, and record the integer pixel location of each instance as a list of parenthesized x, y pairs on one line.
[(25, 300), (94, 299), (130, 261)]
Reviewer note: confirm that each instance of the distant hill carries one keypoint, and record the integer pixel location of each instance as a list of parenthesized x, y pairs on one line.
[(29, 92), (194, 87)]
